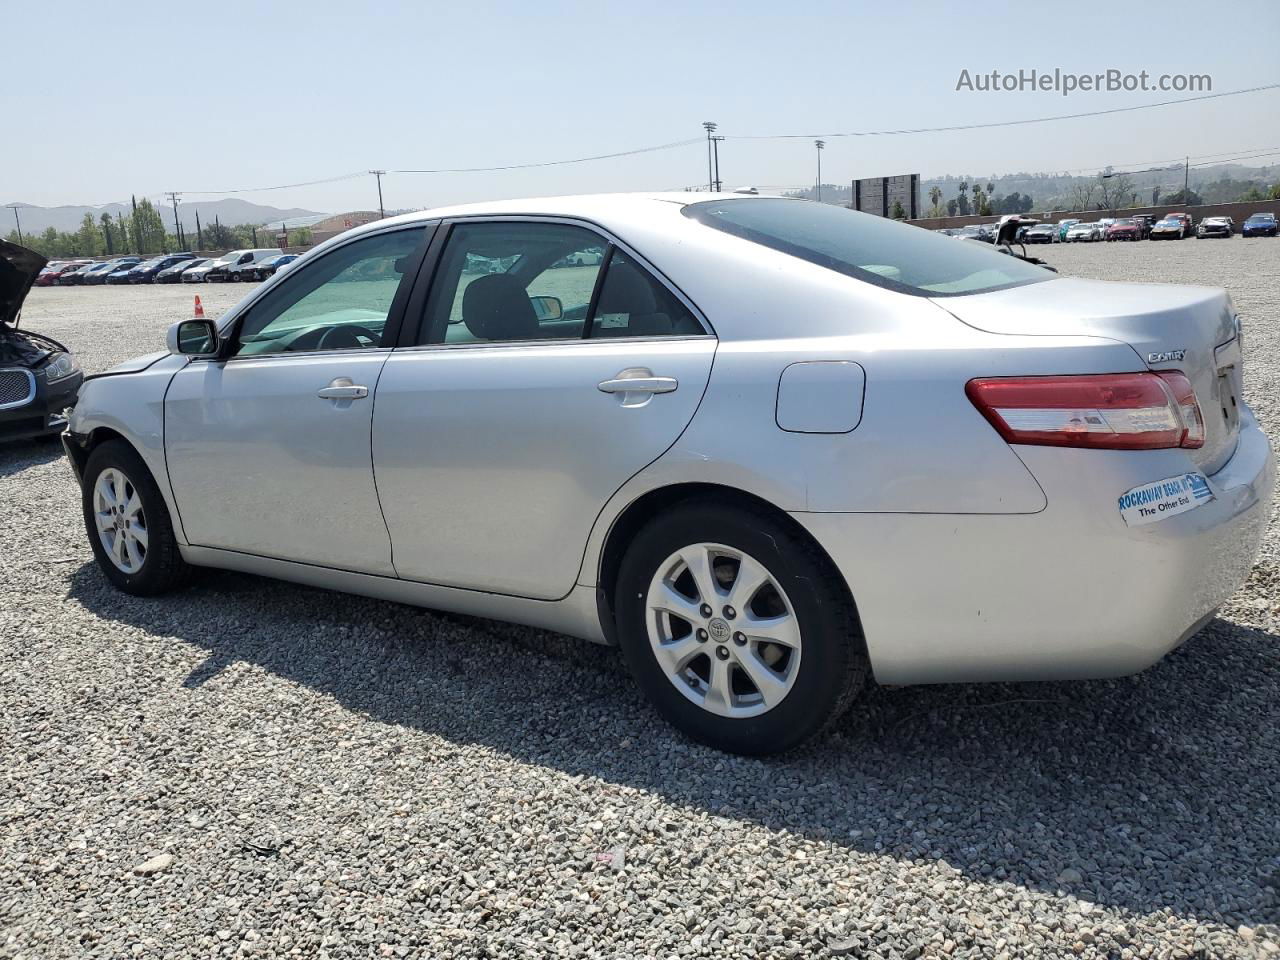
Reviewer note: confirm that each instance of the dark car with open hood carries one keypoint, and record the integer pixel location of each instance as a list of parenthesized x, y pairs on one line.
[(38, 376)]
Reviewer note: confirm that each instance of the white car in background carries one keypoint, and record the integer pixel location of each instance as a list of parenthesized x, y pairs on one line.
[(768, 447), (1085, 232)]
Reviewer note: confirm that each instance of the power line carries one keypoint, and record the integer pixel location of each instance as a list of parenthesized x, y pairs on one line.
[(558, 163), (1005, 123), (281, 186)]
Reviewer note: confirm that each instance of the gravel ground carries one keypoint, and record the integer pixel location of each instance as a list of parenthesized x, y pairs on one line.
[(256, 768)]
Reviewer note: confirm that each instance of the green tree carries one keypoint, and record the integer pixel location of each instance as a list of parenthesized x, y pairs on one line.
[(108, 233), (218, 236), (897, 213), (148, 228), (1183, 196), (935, 198), (1274, 193), (88, 240)]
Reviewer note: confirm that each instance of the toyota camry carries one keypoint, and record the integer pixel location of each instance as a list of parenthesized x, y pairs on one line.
[(770, 448)]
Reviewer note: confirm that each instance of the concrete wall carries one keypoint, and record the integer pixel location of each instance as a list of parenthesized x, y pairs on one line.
[(1236, 211)]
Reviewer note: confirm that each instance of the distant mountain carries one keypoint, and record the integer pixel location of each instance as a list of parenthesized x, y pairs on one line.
[(229, 211)]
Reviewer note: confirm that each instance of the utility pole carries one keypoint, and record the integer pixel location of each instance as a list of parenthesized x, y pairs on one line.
[(819, 144), (379, 174), (710, 127), (16, 218), (177, 227), (715, 149)]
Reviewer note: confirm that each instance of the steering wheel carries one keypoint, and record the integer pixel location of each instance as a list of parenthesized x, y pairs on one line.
[(346, 337)]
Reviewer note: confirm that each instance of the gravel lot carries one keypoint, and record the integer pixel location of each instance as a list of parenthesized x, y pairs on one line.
[(257, 768)]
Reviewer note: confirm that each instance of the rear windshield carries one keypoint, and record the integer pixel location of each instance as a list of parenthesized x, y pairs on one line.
[(888, 254)]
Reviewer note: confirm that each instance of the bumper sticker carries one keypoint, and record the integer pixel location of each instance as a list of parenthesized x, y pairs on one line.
[(1164, 498)]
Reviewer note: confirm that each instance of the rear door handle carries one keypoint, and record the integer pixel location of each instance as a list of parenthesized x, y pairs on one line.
[(342, 389), (639, 385)]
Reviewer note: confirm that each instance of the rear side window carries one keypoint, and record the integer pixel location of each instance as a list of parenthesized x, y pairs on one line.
[(507, 281), (898, 256)]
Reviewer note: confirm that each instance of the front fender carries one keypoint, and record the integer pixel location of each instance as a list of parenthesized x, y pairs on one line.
[(130, 405)]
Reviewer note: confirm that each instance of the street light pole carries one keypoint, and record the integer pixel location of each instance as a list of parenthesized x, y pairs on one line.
[(16, 219), (710, 127), (379, 174), (819, 144)]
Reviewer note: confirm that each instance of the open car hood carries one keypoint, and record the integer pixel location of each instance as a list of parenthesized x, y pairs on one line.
[(18, 269)]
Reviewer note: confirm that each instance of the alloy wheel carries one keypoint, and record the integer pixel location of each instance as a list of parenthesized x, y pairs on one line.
[(722, 630), (120, 519)]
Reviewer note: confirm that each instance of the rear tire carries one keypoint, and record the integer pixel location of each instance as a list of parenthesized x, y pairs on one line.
[(714, 671), (128, 523)]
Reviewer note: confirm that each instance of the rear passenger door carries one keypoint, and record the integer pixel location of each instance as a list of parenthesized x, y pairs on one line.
[(548, 366)]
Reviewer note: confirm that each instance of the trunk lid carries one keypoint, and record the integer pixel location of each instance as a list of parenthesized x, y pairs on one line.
[(19, 268), (1169, 327)]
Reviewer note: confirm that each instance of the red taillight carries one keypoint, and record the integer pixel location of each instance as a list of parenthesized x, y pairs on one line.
[(1113, 411)]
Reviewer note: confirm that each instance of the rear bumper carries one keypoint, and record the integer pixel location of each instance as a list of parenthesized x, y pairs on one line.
[(1067, 593)]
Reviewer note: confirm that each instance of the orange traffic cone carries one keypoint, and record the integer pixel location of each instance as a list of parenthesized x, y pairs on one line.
[(199, 314)]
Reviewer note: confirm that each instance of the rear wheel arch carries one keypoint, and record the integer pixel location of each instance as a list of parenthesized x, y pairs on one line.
[(654, 503)]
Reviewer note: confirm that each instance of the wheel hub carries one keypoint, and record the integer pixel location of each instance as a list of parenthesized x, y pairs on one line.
[(752, 658)]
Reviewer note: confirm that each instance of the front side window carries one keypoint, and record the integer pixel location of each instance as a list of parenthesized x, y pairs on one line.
[(337, 302), (513, 281), (873, 249)]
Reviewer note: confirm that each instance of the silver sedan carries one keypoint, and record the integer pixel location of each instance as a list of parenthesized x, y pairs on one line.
[(769, 448)]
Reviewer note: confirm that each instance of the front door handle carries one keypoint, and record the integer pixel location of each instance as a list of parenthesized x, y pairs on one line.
[(342, 389)]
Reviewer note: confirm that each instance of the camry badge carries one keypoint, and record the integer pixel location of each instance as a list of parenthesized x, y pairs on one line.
[(1164, 356)]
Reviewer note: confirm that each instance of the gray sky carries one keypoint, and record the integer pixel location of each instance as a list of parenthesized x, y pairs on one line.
[(200, 97)]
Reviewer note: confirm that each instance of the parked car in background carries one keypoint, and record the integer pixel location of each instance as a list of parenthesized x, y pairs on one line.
[(200, 274), (228, 266), (1084, 232), (977, 231), (38, 376), (98, 274), (265, 268), (1170, 228), (1215, 227), (897, 432), (1145, 222), (75, 276), (148, 271), (173, 273), (1260, 225), (246, 268), (1124, 229), (1041, 233), (1188, 226), (121, 273), (1064, 226), (50, 275)]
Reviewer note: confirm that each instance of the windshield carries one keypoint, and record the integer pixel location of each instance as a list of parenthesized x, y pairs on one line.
[(1167, 223), (1125, 223)]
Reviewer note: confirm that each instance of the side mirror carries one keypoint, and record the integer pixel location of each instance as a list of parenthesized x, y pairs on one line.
[(193, 338), (547, 308)]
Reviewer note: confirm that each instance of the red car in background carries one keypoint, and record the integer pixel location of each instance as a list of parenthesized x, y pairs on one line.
[(1188, 228), (50, 274), (1126, 229)]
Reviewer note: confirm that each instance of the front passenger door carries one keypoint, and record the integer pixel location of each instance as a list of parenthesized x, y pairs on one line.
[(268, 446)]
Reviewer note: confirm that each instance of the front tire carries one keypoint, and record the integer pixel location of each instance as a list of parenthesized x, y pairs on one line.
[(737, 629), (128, 523)]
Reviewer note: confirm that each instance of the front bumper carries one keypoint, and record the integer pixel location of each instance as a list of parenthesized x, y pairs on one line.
[(44, 413), (1067, 593)]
